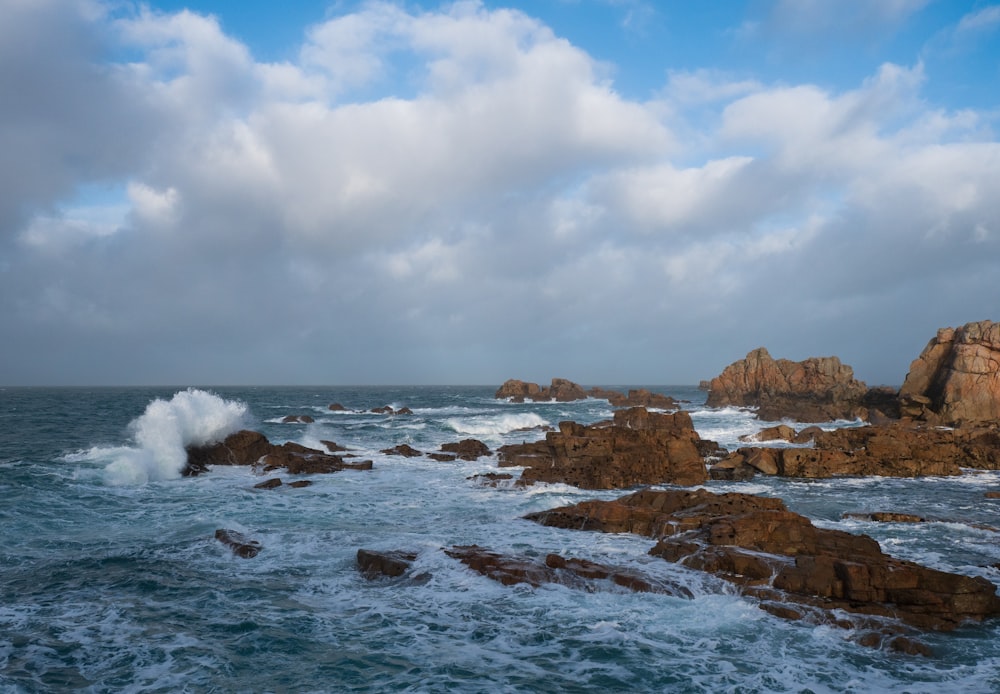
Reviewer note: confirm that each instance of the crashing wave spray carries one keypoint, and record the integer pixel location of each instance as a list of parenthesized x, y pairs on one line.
[(190, 418)]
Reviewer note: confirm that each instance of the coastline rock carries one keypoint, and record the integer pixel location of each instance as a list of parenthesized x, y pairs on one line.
[(579, 574), (403, 449), (817, 389), (443, 457), (780, 557), (238, 543), (467, 449), (638, 447), (887, 517), (956, 378), (337, 407), (781, 432), (297, 419), (252, 448), (272, 483)]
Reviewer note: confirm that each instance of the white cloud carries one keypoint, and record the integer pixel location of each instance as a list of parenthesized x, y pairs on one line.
[(984, 19)]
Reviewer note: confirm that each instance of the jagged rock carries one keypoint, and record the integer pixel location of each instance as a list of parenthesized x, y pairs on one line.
[(443, 457), (385, 409), (241, 448), (272, 483), (780, 557), (956, 378), (492, 479), (781, 432), (403, 411), (895, 450), (403, 449), (239, 543), (887, 517), (562, 390), (640, 398), (580, 574), (252, 448), (467, 449), (638, 447), (373, 564), (333, 446), (817, 389)]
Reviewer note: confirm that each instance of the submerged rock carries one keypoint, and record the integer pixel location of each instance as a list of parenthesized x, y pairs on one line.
[(252, 448), (638, 447), (373, 564), (239, 543)]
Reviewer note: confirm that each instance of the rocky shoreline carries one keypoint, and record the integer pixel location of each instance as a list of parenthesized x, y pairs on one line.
[(945, 419)]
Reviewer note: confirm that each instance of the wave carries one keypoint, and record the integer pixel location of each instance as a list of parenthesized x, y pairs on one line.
[(496, 425), (190, 418)]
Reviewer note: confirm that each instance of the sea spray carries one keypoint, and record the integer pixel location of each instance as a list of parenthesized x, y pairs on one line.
[(190, 418)]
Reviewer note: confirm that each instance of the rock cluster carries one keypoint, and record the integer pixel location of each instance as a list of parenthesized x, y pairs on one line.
[(781, 558), (956, 379), (252, 448), (893, 450), (817, 389), (638, 447), (562, 390)]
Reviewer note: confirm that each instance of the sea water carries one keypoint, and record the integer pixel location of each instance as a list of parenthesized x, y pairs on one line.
[(111, 579)]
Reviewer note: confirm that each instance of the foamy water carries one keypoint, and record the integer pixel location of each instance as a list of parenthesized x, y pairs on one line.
[(115, 583)]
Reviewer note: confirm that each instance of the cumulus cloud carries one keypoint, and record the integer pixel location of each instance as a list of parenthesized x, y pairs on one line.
[(459, 195)]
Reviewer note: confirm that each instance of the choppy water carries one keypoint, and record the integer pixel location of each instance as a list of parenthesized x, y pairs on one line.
[(110, 579)]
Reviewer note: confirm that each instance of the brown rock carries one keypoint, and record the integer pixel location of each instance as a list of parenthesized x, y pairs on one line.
[(272, 483), (561, 390), (241, 448), (638, 398), (781, 557), (781, 432), (467, 449), (814, 390), (239, 543), (337, 407), (298, 484), (887, 517), (442, 457), (638, 447), (992, 495), (403, 449), (298, 419), (373, 564), (956, 379)]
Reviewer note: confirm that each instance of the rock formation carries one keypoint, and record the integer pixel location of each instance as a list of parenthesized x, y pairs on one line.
[(466, 449), (894, 450), (638, 447), (956, 379), (239, 543), (252, 448), (818, 389), (562, 390), (782, 559)]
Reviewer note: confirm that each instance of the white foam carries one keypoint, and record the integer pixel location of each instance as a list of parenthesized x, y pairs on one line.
[(190, 418), (496, 425)]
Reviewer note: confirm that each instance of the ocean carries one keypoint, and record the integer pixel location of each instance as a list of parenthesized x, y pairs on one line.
[(111, 579)]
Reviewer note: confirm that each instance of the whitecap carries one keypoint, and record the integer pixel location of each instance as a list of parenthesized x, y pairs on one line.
[(496, 425)]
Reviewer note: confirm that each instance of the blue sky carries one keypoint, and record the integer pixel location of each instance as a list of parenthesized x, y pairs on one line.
[(612, 191)]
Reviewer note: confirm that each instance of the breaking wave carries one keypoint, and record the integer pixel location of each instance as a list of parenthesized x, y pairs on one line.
[(496, 425)]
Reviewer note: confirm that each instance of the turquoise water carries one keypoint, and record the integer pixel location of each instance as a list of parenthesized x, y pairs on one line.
[(110, 579)]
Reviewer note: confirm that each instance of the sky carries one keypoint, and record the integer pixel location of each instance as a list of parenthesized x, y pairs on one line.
[(610, 191)]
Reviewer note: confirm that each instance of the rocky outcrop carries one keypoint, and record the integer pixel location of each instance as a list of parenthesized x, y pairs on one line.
[(374, 564), (466, 449), (894, 450), (956, 379), (818, 389), (403, 449), (562, 390), (580, 574), (297, 419), (782, 559), (252, 448), (638, 447)]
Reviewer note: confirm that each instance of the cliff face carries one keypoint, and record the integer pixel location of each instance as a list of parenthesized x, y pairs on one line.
[(815, 389), (956, 379)]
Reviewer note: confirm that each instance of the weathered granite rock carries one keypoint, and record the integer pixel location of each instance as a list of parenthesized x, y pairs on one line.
[(781, 432), (272, 483), (887, 517), (640, 398), (466, 449), (956, 378), (817, 389), (638, 447), (252, 448), (779, 556), (580, 574), (239, 543), (443, 457)]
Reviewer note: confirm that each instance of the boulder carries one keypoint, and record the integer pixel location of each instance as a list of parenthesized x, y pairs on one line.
[(638, 447), (780, 557), (956, 378), (337, 407), (466, 449), (272, 483), (817, 389), (373, 564), (403, 449), (781, 432)]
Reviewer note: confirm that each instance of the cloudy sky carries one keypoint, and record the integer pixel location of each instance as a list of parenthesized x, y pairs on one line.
[(611, 191)]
